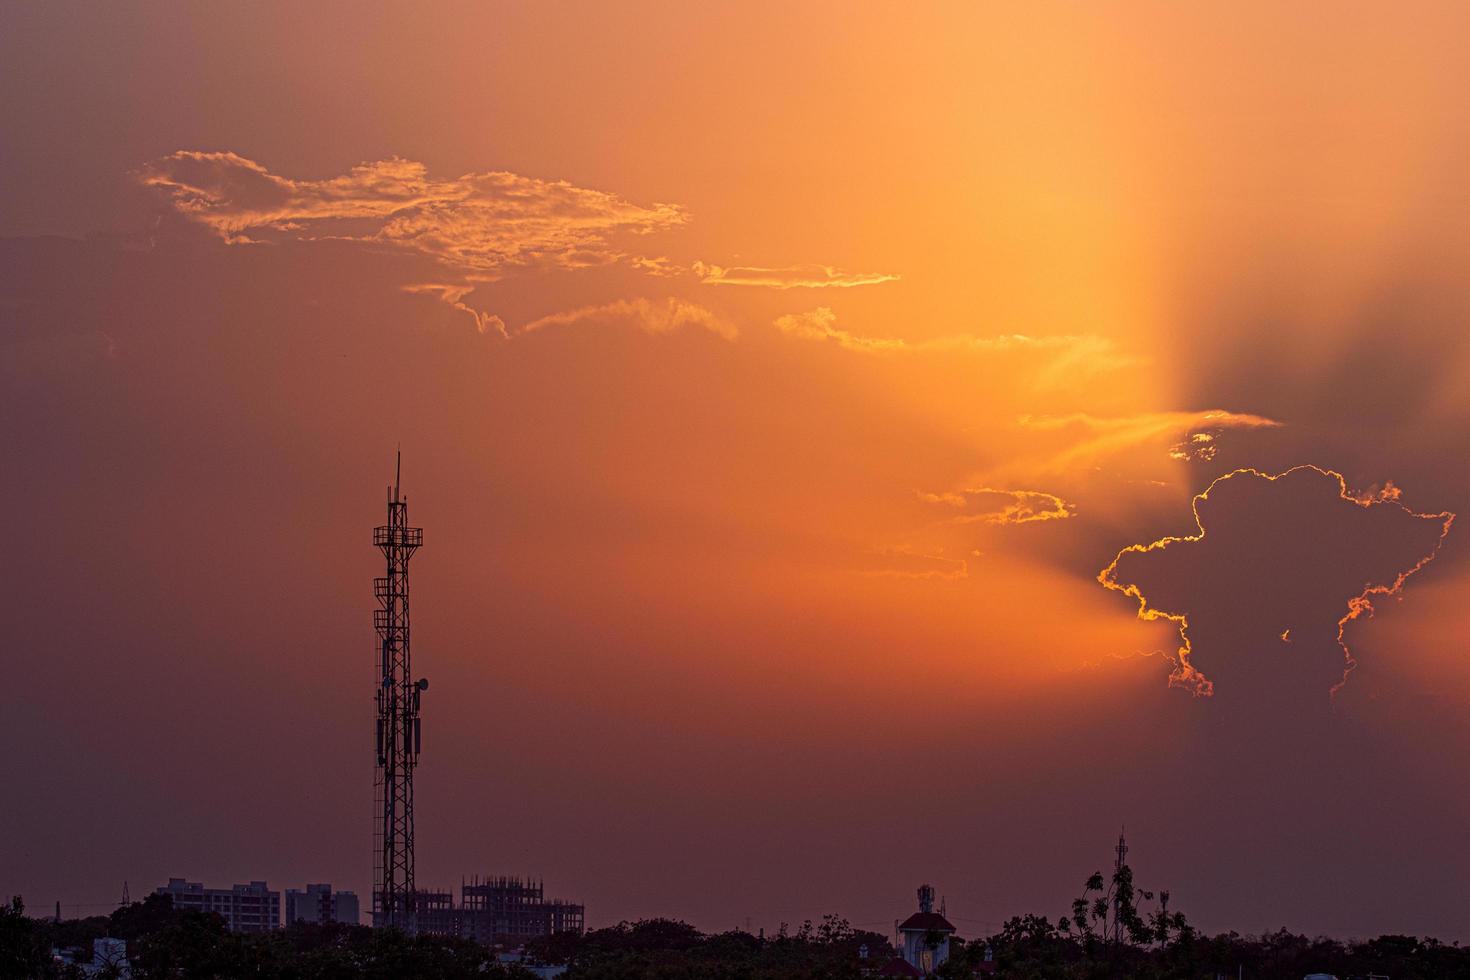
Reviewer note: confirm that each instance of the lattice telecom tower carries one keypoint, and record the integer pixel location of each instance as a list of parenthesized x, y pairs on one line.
[(398, 742), (1120, 858)]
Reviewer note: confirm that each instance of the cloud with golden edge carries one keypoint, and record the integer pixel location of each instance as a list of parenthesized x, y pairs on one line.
[(1185, 674), (1195, 446), (984, 505)]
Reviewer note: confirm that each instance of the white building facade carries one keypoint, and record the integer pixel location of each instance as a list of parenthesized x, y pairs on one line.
[(925, 935), (245, 908)]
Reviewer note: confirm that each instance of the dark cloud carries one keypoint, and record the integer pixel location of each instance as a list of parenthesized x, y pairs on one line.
[(1265, 590)]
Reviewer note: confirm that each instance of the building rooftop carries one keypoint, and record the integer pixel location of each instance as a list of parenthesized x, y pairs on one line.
[(926, 922)]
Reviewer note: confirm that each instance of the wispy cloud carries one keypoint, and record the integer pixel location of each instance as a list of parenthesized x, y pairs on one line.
[(1154, 423), (659, 318), (480, 227), (1100, 437), (454, 293), (821, 324), (788, 277), (1070, 354), (478, 224), (904, 563), (984, 505)]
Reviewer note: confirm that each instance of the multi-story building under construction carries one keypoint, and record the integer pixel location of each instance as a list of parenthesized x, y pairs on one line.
[(497, 910)]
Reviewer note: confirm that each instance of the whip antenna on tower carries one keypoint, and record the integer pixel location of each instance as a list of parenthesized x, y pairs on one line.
[(398, 729)]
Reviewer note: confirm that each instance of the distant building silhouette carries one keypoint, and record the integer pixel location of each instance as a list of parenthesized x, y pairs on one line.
[(245, 908), (509, 908), (318, 905)]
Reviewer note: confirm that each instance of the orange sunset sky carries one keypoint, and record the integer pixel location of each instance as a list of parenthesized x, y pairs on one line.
[(777, 385)]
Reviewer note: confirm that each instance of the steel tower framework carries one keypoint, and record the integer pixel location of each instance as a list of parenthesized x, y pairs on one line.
[(398, 734), (1120, 857)]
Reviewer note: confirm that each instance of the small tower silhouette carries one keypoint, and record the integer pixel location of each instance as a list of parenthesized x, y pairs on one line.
[(1121, 856)]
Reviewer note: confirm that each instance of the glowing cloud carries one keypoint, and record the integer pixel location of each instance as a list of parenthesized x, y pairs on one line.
[(1185, 673), (1087, 353), (788, 277), (657, 318), (477, 224), (1198, 445), (1103, 437), (821, 324), (454, 294), (983, 505)]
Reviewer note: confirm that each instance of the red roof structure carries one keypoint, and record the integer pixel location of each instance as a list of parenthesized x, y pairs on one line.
[(926, 922), (899, 967)]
